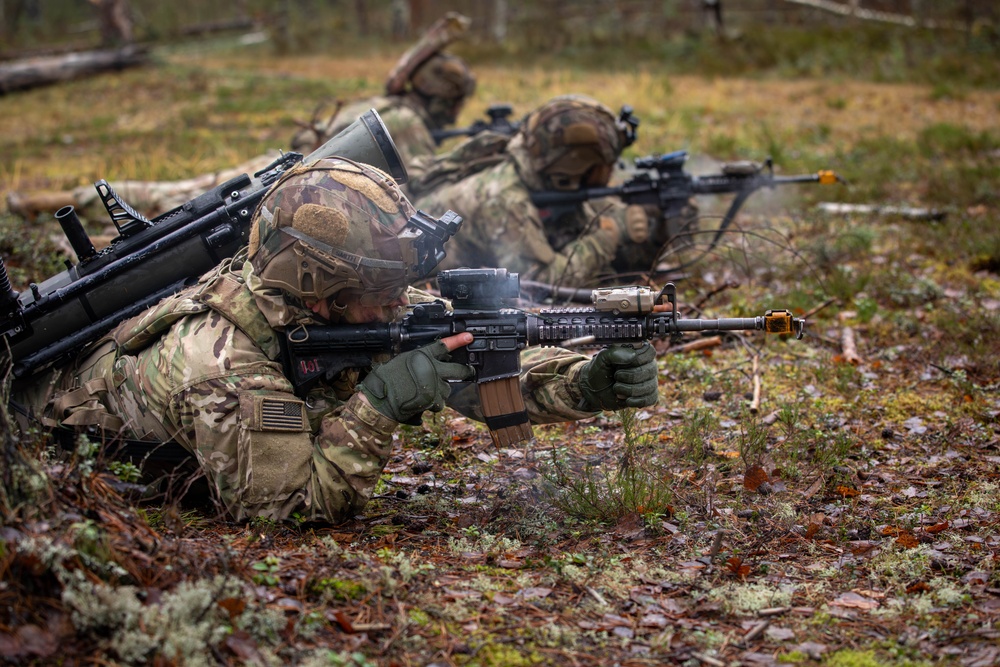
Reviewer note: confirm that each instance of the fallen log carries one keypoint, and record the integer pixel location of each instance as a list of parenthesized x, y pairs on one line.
[(44, 71), (868, 209)]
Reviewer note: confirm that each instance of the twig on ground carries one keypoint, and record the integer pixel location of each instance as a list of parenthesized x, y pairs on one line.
[(847, 344), (809, 313), (700, 344), (731, 284), (755, 402)]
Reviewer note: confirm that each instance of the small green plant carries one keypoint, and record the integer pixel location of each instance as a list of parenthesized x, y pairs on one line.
[(637, 484), (267, 571), (753, 440), (126, 471), (694, 434)]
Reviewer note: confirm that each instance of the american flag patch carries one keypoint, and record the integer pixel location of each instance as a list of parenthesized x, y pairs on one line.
[(279, 415)]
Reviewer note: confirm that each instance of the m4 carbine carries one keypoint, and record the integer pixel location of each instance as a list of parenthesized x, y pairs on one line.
[(152, 259), (478, 298), (498, 122), (661, 182)]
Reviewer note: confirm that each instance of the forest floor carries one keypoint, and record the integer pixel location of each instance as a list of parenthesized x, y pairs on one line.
[(851, 518)]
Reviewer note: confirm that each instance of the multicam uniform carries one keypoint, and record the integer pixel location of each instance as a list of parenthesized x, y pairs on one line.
[(503, 228), (203, 368), (568, 143)]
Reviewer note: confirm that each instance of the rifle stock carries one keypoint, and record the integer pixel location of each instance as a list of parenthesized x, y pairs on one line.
[(479, 297)]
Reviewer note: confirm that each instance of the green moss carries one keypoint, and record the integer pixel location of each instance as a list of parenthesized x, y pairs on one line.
[(851, 658), (500, 655), (419, 616), (339, 589)]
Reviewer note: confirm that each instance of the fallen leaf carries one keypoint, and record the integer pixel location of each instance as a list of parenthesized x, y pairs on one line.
[(937, 528), (854, 601), (754, 477), (846, 491), (534, 592), (737, 567), (780, 634), (907, 540), (234, 606)]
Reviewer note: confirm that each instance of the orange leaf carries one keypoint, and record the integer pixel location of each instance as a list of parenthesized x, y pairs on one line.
[(754, 477), (234, 606), (907, 540), (891, 531), (737, 567), (846, 491), (937, 528)]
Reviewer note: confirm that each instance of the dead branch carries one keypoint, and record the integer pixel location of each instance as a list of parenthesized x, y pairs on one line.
[(755, 403), (847, 344), (700, 344), (907, 212), (36, 72), (731, 284), (854, 10), (809, 313)]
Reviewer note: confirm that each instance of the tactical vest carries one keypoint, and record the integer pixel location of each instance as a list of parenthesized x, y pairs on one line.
[(96, 400), (470, 157)]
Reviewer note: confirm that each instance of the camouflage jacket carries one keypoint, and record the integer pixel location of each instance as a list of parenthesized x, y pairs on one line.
[(203, 368), (503, 228)]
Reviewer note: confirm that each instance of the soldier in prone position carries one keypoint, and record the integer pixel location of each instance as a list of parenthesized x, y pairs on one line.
[(204, 367), (569, 143)]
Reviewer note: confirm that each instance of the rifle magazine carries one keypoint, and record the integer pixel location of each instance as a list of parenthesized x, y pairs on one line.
[(503, 408)]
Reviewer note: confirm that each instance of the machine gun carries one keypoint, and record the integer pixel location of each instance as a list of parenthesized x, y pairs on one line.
[(152, 259), (498, 122), (478, 298), (662, 182)]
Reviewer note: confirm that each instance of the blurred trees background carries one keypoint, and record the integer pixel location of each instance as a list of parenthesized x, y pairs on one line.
[(726, 37)]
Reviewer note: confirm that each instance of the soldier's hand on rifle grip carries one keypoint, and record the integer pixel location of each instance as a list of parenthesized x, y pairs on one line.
[(620, 377), (414, 381)]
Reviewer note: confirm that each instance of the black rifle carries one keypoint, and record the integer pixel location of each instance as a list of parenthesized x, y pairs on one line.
[(663, 183), (498, 113), (152, 259), (479, 298)]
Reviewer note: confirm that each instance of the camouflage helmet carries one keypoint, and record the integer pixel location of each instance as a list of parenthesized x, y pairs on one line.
[(572, 141), (442, 83), (443, 75), (329, 226)]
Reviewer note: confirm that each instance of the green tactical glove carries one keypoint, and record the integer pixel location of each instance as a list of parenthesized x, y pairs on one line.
[(405, 386), (620, 377)]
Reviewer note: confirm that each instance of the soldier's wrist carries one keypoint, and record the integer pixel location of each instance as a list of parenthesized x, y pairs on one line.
[(361, 406)]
